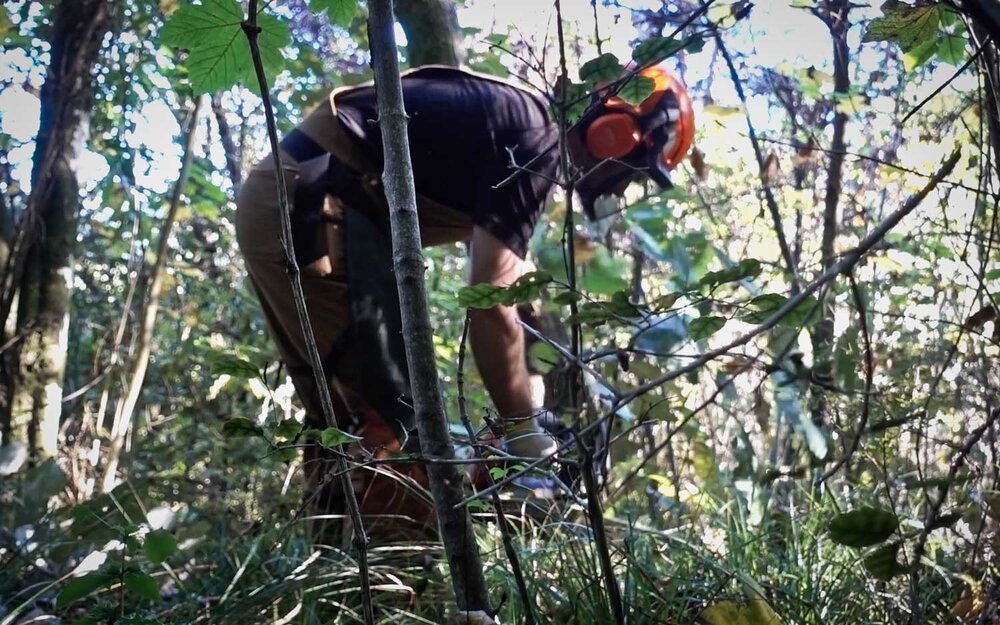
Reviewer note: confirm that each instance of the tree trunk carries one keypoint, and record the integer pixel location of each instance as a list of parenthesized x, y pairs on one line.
[(435, 441), (144, 346), (40, 265), (822, 336), (234, 161), (432, 33)]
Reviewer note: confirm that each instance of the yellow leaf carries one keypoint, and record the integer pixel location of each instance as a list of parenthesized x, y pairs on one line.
[(753, 612), (720, 112)]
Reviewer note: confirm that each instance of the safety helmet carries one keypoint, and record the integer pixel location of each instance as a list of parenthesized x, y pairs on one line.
[(656, 134)]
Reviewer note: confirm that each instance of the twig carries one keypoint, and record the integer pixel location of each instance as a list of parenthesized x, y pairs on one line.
[(869, 375), (944, 85), (464, 561), (505, 533), (772, 203), (252, 31), (934, 511), (596, 514), (848, 261)]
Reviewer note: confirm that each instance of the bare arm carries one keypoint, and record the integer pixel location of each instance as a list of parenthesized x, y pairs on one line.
[(496, 338)]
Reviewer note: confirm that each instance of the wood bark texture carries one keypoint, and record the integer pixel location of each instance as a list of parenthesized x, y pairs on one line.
[(38, 270), (822, 336), (432, 32), (446, 480)]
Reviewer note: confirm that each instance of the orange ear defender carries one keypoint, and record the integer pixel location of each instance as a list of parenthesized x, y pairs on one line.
[(622, 128), (613, 135)]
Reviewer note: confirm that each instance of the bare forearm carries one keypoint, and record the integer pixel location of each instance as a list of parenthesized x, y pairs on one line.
[(498, 348)]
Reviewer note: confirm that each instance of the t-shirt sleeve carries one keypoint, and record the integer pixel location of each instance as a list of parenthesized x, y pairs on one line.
[(517, 186)]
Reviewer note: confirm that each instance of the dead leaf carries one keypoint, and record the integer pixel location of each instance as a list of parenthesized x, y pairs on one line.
[(697, 159), (972, 601), (772, 169), (753, 612)]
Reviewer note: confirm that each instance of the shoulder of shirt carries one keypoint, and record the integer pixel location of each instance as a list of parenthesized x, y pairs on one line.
[(447, 72)]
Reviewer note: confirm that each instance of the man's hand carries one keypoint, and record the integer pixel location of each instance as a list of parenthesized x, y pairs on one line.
[(498, 348)]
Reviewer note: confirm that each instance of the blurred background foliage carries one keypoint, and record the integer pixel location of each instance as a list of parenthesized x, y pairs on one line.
[(841, 467)]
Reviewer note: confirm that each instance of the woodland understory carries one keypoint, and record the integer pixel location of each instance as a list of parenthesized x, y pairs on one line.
[(782, 372)]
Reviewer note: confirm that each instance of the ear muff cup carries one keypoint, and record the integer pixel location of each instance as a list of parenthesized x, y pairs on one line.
[(613, 135), (675, 152)]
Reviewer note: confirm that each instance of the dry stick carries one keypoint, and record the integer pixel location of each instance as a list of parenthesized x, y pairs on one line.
[(934, 511), (464, 561), (848, 261), (252, 31), (505, 533), (596, 514), (869, 375), (772, 203)]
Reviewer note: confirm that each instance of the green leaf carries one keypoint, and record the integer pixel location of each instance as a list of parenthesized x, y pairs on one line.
[(230, 364), (637, 89), (863, 527), (704, 327), (605, 68), (159, 545), (80, 587), (285, 454), (763, 306), (542, 357), (755, 611), (909, 26), (664, 302), (481, 295), (656, 49), (919, 55), (748, 268), (287, 431), (332, 437), (882, 562), (951, 49), (566, 298), (499, 473), (219, 53), (143, 585), (339, 12), (478, 505), (241, 426), (577, 99), (6, 27), (527, 288)]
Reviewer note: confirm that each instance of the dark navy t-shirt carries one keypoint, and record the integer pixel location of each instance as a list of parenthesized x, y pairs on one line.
[(464, 131)]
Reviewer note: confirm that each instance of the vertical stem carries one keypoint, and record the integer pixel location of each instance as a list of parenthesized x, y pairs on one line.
[(595, 513), (252, 31), (505, 533), (836, 20), (445, 479), (771, 201)]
